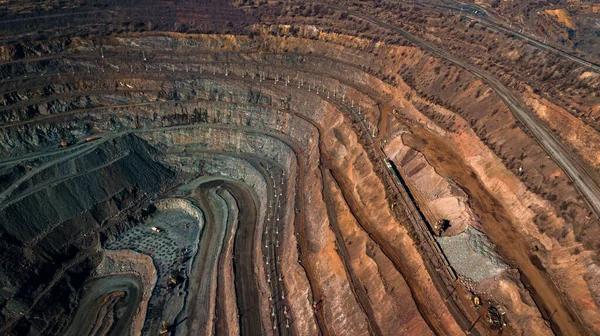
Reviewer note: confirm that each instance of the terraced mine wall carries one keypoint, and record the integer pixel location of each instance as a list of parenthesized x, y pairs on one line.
[(281, 142)]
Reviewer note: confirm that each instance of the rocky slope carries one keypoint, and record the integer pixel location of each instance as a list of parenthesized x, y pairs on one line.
[(317, 163)]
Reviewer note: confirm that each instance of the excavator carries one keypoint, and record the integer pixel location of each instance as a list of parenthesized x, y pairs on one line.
[(174, 280), (170, 328), (166, 328)]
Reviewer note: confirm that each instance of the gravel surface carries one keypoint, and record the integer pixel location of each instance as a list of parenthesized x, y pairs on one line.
[(172, 251), (164, 247), (472, 255)]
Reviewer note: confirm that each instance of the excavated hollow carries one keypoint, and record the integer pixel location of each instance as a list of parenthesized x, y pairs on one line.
[(262, 177)]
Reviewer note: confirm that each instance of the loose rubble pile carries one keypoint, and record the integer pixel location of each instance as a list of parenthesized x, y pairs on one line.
[(472, 255)]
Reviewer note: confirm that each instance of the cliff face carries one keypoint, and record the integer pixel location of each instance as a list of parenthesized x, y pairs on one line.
[(54, 210), (287, 181)]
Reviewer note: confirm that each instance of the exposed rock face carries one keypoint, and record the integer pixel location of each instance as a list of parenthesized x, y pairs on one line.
[(444, 198), (123, 262), (243, 178)]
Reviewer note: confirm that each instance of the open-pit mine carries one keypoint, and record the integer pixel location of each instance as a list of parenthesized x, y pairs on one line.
[(262, 167)]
